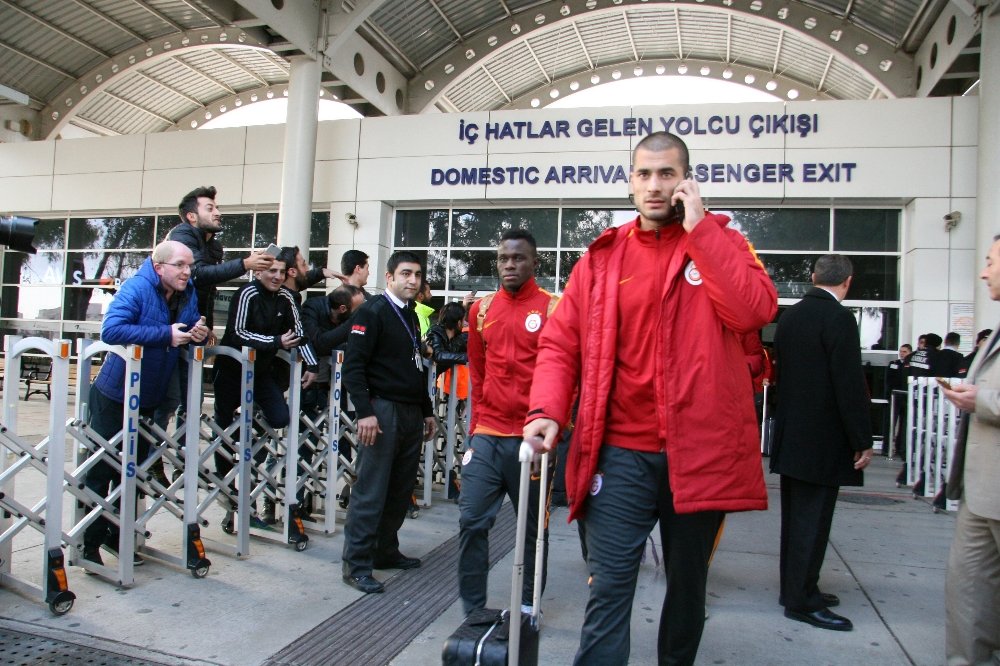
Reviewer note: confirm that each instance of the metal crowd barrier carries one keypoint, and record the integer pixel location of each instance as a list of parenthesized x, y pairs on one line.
[(448, 444), (931, 431), (47, 458)]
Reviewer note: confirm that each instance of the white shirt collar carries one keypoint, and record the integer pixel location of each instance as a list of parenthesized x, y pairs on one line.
[(392, 297), (829, 291)]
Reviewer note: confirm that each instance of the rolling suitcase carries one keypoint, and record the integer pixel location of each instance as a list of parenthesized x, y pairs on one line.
[(488, 637)]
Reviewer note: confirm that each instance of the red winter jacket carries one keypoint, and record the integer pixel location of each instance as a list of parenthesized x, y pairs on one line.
[(715, 290), (501, 378)]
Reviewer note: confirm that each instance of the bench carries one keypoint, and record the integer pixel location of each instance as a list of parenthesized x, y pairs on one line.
[(41, 377)]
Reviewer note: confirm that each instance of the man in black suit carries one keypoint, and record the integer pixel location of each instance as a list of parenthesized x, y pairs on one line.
[(823, 436)]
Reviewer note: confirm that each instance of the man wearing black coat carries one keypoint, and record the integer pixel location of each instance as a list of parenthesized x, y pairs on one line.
[(823, 436)]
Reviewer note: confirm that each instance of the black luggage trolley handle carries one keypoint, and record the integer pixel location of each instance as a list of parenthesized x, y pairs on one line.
[(526, 456)]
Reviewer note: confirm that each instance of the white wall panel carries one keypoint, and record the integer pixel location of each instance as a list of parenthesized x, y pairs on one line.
[(338, 140), (964, 170), (965, 121), (98, 191), (113, 153), (963, 269), (929, 270), (25, 193), (201, 148), (29, 158), (166, 187)]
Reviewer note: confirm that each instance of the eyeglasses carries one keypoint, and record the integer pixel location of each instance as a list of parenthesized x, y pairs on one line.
[(179, 265)]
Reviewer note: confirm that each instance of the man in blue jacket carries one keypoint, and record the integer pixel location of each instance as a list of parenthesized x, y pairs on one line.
[(158, 309)]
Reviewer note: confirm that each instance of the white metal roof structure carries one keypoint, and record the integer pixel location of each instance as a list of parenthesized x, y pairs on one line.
[(138, 66)]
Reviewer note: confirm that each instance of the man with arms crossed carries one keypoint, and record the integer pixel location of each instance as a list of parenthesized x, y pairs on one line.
[(649, 330), (972, 587), (385, 379), (504, 328)]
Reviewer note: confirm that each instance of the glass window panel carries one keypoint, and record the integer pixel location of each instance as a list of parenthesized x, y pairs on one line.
[(319, 229), (50, 235), (28, 330), (421, 228), (784, 229), (41, 268), (117, 233), (875, 279), (265, 230), (866, 230), (483, 228), (318, 259), (581, 226), (42, 302), (86, 303), (567, 260), (477, 270), (878, 328), (99, 265), (791, 273), (221, 311), (236, 233)]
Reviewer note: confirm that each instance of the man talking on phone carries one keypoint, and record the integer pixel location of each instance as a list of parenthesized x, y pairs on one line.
[(648, 331)]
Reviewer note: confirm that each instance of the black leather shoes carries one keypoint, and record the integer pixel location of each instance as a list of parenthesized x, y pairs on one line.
[(823, 618), (367, 583), (401, 562)]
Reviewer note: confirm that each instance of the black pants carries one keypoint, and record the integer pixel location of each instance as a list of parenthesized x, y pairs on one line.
[(490, 469), (387, 472), (806, 517), (106, 420), (629, 494), (267, 396)]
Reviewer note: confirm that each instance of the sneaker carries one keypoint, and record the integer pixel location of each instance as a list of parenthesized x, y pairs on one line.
[(228, 525), (258, 523), (413, 511)]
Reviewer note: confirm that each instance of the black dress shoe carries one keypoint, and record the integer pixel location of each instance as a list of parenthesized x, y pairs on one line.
[(823, 618), (401, 562), (830, 600), (367, 583)]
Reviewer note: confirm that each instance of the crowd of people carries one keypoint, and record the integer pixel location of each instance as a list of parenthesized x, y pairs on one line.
[(650, 359)]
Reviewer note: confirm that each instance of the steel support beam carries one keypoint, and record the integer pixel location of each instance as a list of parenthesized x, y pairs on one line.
[(936, 44)]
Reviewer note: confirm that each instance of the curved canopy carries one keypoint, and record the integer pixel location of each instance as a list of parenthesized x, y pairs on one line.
[(137, 66)]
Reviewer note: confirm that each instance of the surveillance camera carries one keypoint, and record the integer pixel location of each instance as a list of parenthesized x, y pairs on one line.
[(352, 219), (952, 219)]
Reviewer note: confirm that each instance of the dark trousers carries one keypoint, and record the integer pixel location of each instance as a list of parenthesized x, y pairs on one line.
[(630, 493), (106, 420), (806, 517), (267, 396), (176, 395), (490, 470), (387, 472)]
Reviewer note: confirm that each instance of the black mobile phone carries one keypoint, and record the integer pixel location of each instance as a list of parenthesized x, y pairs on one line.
[(678, 207)]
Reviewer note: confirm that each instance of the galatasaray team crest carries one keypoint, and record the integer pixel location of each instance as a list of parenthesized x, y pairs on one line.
[(692, 274), (596, 484), (533, 322), (467, 457)]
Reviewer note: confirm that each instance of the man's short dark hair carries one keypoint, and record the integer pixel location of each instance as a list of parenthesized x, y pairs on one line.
[(832, 269), (288, 254), (659, 141), (189, 204), (933, 340), (953, 339), (907, 345), (402, 257), (342, 295), (983, 334), (520, 234), (351, 260)]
